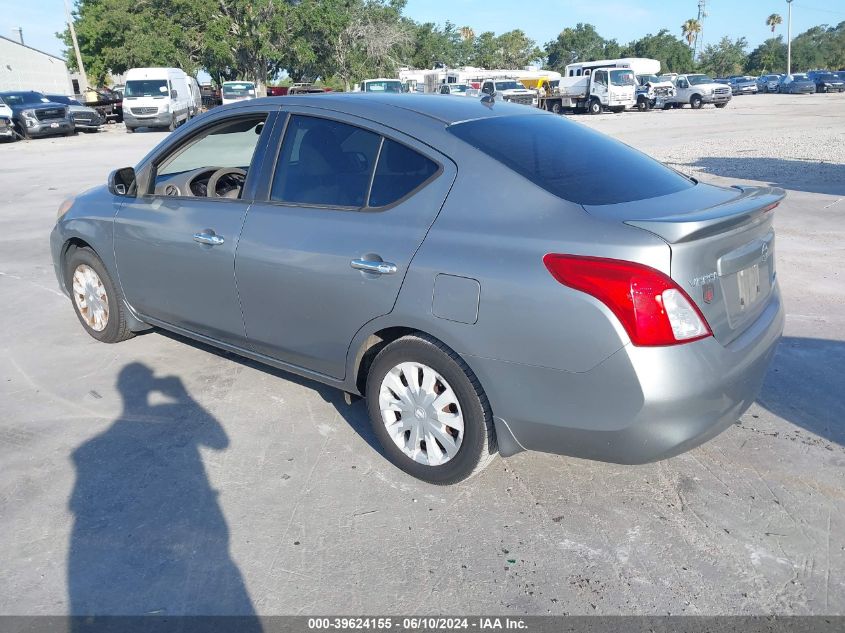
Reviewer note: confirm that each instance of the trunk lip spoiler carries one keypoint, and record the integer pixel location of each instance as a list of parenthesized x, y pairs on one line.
[(742, 210)]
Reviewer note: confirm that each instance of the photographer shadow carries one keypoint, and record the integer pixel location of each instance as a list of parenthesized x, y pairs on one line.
[(149, 536)]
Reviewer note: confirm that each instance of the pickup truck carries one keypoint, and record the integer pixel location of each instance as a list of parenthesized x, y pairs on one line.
[(696, 90), (509, 90), (652, 92), (610, 88)]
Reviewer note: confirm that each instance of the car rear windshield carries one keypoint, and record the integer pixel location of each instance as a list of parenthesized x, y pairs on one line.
[(570, 160)]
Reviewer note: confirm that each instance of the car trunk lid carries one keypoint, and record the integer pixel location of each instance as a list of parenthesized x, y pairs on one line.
[(722, 244)]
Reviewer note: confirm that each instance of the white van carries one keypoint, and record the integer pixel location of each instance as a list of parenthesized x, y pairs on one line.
[(232, 91), (156, 97), (196, 96)]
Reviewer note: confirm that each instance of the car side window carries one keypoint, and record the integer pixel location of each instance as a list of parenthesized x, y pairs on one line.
[(325, 162), (400, 171), (228, 145)]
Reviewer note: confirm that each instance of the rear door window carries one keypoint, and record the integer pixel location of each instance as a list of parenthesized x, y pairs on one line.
[(325, 163), (400, 171), (570, 160)]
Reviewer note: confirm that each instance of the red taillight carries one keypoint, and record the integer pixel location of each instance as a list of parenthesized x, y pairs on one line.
[(653, 309)]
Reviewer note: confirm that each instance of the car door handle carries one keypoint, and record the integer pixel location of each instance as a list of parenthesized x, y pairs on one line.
[(377, 267), (208, 238)]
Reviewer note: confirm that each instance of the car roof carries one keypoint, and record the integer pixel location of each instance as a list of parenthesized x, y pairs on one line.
[(428, 106)]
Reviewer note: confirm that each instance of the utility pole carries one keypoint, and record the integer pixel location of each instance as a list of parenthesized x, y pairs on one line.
[(789, 38), (702, 13), (83, 84)]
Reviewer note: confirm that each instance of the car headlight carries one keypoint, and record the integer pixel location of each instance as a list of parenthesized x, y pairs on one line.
[(64, 207), (165, 107), (29, 114), (707, 91)]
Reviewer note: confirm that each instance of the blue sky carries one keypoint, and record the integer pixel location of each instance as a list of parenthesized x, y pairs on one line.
[(542, 20)]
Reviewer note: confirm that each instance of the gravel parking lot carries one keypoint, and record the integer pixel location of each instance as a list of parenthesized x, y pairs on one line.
[(259, 492)]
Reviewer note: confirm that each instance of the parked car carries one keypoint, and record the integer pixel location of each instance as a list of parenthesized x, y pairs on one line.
[(364, 263), (828, 82), (796, 84), (455, 89), (233, 91), (743, 85), (84, 118), (7, 128), (34, 115), (652, 92), (768, 83)]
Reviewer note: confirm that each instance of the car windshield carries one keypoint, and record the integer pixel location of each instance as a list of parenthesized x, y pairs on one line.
[(459, 88), (238, 89), (801, 77), (508, 85), (146, 88), (644, 79), (826, 77), (622, 78), (383, 86), (21, 98), (570, 160), (697, 80)]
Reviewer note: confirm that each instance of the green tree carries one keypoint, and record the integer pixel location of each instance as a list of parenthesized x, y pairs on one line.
[(773, 21), (727, 57), (517, 49), (579, 44), (690, 30), (769, 57), (673, 54)]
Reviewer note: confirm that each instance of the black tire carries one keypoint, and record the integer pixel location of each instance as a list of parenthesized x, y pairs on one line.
[(478, 447), (643, 105), (594, 107), (721, 105), (695, 102), (130, 130), (556, 107), (23, 131), (116, 328)]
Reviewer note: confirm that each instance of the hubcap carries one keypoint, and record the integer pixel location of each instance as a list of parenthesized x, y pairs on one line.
[(90, 297), (421, 413)]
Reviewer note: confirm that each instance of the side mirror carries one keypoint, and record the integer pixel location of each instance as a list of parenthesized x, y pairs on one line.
[(173, 94), (122, 182)]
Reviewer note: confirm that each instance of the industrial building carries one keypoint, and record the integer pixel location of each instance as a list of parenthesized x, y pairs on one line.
[(25, 68)]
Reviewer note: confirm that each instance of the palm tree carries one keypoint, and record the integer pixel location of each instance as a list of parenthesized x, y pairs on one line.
[(690, 30), (774, 20)]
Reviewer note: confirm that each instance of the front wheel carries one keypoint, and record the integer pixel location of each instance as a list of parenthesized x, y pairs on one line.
[(643, 105), (173, 124), (429, 411), (594, 107), (95, 297), (695, 102)]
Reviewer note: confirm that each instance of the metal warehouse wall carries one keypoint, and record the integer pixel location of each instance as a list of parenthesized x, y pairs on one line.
[(24, 68)]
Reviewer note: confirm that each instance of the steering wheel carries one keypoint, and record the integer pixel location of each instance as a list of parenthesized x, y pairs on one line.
[(211, 188)]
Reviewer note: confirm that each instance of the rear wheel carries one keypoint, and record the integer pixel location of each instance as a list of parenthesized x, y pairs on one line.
[(696, 102), (594, 107), (429, 411), (96, 299), (556, 107)]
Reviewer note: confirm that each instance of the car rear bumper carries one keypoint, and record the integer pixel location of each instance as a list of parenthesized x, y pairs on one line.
[(640, 405)]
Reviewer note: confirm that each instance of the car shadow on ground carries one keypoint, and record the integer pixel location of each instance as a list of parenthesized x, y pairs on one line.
[(355, 414), (148, 535), (798, 175), (804, 386)]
